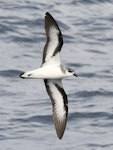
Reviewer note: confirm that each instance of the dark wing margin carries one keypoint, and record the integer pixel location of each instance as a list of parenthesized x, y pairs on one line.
[(51, 23), (60, 120)]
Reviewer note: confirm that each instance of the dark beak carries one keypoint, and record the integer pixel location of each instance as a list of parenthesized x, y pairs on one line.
[(75, 75)]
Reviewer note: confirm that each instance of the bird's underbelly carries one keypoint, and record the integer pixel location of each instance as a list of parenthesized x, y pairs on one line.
[(46, 73), (49, 73)]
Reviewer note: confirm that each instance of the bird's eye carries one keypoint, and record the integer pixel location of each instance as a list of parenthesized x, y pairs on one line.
[(70, 70)]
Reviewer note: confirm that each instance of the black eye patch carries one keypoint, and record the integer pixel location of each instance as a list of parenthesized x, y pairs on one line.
[(70, 70)]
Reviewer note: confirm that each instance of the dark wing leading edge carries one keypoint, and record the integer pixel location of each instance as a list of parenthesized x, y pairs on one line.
[(54, 38), (59, 104)]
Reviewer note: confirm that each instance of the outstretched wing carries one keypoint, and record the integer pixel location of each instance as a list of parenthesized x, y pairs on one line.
[(59, 104), (54, 38)]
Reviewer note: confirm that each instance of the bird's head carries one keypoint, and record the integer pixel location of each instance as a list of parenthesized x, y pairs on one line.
[(70, 72)]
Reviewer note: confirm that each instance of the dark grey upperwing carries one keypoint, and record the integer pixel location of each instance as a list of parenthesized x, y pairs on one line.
[(59, 104), (54, 38)]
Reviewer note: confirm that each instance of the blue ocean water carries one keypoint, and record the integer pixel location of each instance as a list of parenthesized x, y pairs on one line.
[(25, 108)]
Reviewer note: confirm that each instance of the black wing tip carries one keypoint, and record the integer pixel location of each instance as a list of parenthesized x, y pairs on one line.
[(60, 133), (60, 127), (49, 20), (60, 137), (48, 14)]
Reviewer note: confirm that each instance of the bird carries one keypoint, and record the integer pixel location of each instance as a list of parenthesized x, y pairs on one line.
[(52, 72)]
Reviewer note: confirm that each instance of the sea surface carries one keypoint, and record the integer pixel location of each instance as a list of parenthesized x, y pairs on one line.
[(25, 108)]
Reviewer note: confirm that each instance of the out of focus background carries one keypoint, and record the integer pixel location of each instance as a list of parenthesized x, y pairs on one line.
[(25, 108)]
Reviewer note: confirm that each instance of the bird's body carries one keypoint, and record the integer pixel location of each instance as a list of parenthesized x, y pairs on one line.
[(52, 71), (45, 73), (49, 70)]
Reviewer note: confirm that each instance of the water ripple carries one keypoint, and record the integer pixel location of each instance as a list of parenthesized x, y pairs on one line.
[(95, 93), (39, 119), (10, 73), (88, 115)]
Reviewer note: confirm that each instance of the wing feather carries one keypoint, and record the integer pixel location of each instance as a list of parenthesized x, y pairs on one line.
[(54, 38), (59, 104)]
